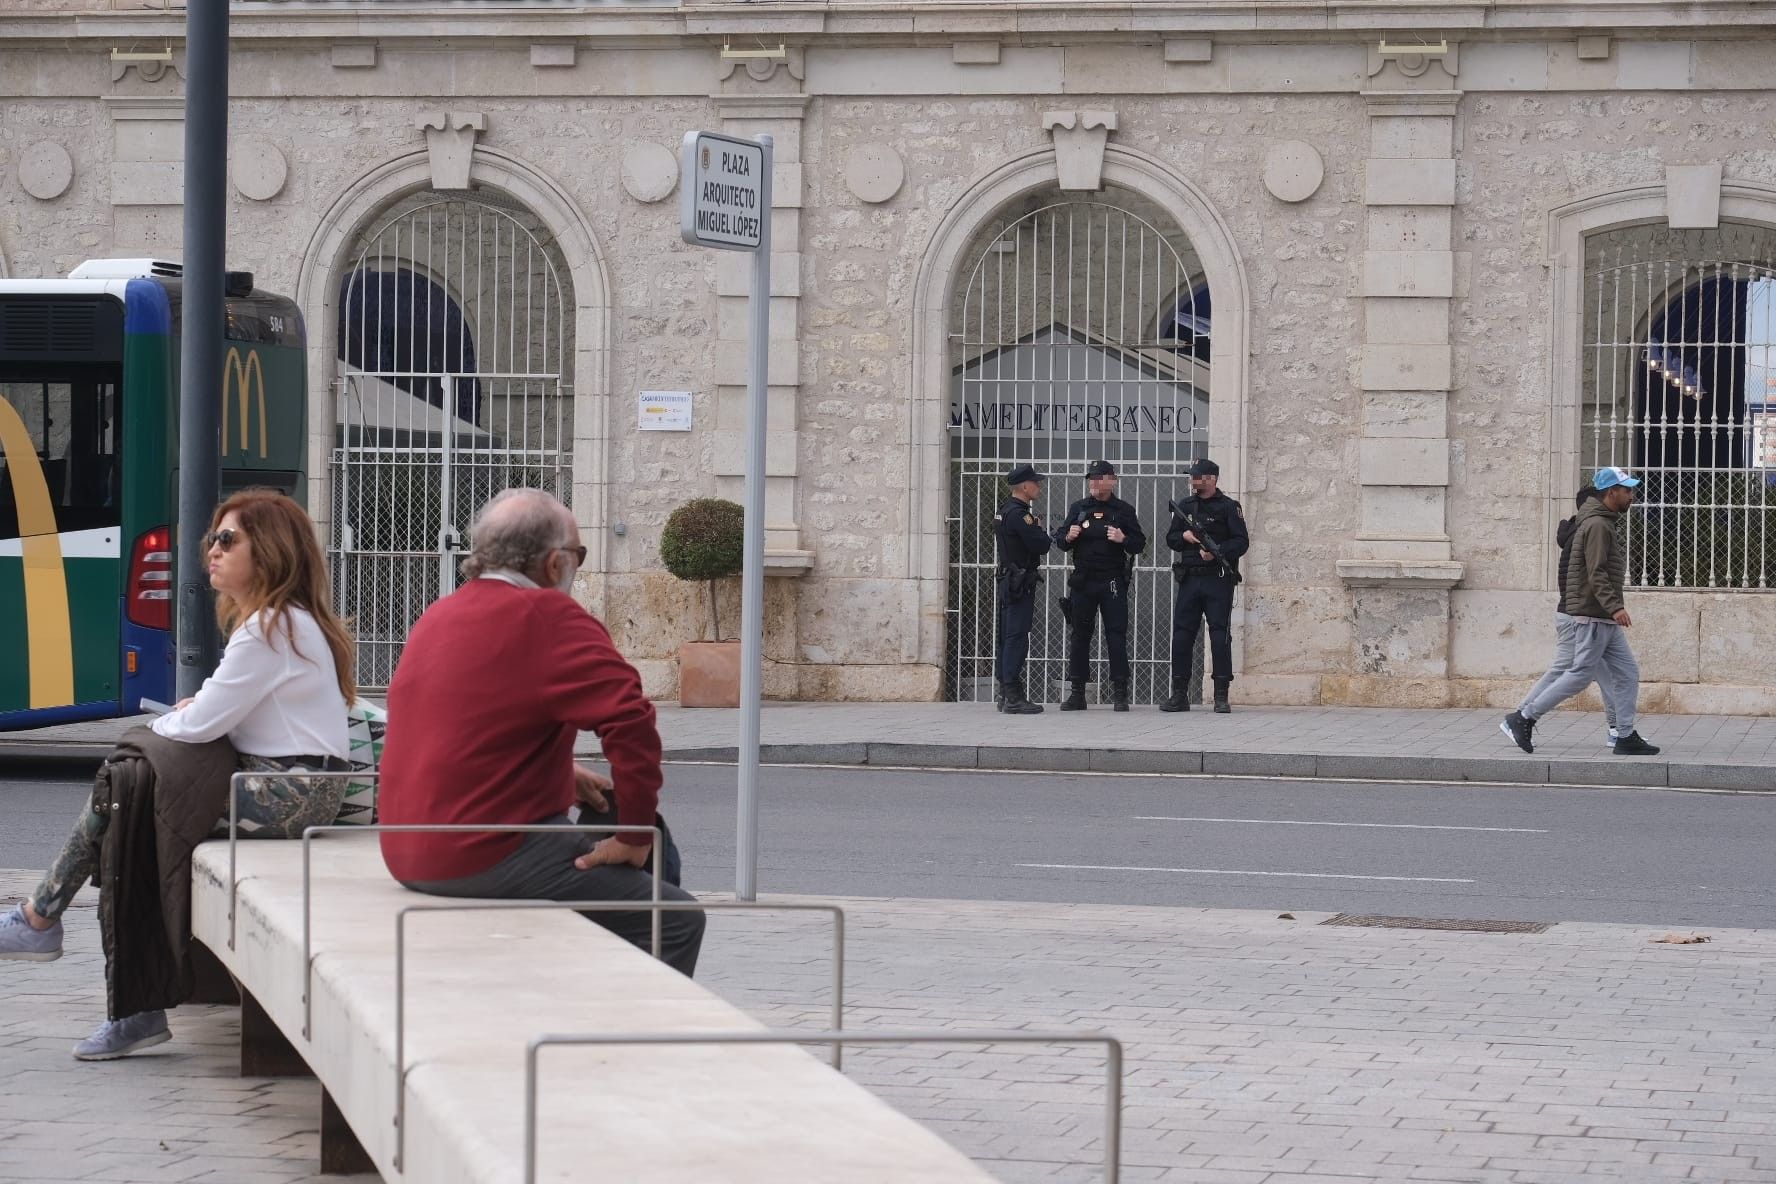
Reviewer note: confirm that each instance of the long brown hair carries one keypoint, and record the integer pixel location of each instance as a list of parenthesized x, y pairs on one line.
[(288, 569)]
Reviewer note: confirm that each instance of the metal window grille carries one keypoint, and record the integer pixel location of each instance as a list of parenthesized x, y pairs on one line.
[(1080, 332), (455, 327), (1679, 386)]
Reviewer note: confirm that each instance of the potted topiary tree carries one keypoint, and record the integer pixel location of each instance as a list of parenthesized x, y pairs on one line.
[(704, 540)]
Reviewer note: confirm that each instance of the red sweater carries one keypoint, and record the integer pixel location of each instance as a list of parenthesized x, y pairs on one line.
[(495, 683)]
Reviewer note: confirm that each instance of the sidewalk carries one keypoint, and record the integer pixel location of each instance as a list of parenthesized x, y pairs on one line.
[(1259, 1050), (180, 1113), (1700, 751)]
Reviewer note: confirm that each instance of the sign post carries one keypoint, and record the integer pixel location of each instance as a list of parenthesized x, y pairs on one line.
[(206, 228), (726, 204)]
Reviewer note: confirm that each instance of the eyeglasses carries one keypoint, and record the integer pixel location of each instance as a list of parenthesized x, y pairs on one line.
[(226, 539), (579, 554)]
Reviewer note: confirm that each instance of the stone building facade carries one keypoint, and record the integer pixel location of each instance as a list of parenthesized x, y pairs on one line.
[(1418, 262)]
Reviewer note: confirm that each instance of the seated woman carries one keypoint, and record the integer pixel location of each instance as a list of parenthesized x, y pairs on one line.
[(279, 695)]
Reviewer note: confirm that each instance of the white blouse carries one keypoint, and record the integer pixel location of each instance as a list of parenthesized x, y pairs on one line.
[(267, 698)]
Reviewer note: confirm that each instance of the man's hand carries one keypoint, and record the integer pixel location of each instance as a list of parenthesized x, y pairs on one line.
[(1114, 534), (1190, 537), (614, 851), (182, 704), (591, 789), (1208, 556), (1622, 618), (1074, 531)]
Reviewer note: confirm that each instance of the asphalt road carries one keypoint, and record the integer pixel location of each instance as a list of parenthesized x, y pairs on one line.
[(1503, 853)]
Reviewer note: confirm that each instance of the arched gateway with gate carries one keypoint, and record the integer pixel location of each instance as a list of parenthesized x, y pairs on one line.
[(1081, 328), (454, 331)]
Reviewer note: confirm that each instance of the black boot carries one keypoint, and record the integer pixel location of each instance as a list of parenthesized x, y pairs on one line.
[(1222, 707), (1014, 702), (1179, 701), (1119, 696), (1075, 700)]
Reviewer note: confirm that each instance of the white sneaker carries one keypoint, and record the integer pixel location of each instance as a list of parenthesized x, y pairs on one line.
[(1613, 735)]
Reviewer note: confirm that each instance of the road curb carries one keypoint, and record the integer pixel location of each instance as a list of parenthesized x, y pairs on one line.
[(1494, 770), (1531, 771)]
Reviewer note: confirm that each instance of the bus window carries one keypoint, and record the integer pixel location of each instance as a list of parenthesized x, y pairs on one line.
[(70, 420)]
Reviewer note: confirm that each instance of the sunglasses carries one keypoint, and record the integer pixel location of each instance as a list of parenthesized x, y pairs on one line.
[(226, 539), (579, 554)]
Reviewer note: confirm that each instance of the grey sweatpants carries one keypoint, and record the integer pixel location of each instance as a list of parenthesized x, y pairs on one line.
[(1563, 660), (1600, 654), (542, 868)]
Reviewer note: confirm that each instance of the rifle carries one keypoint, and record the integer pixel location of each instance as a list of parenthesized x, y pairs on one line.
[(1204, 542)]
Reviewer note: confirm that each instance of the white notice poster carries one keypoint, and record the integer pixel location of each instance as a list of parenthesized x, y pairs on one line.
[(665, 411)]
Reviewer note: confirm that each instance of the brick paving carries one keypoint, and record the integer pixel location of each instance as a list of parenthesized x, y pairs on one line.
[(1260, 1050), (179, 1113), (1265, 1051)]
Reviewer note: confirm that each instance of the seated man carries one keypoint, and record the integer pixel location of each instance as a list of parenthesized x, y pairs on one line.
[(496, 681)]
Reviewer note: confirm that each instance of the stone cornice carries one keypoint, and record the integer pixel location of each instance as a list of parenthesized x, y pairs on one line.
[(1044, 22)]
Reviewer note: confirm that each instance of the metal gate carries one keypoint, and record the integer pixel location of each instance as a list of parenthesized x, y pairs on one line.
[(1680, 386), (1080, 333), (453, 333)]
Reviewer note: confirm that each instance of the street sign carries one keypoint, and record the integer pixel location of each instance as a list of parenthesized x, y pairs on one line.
[(723, 197), (726, 204)]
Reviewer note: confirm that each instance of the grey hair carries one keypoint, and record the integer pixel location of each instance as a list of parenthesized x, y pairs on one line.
[(515, 531)]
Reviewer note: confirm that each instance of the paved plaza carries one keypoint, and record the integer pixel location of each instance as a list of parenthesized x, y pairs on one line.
[(1260, 1050)]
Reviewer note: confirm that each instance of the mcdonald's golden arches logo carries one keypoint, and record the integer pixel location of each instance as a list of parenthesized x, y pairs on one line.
[(243, 378)]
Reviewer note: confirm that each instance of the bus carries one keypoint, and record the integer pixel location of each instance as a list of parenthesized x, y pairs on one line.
[(89, 442)]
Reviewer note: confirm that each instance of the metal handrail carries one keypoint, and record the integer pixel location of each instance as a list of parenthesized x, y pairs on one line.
[(1112, 1067), (454, 828), (587, 906)]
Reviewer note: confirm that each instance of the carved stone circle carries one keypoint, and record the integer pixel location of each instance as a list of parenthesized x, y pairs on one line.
[(46, 170), (258, 168), (650, 172), (1293, 171), (874, 172)]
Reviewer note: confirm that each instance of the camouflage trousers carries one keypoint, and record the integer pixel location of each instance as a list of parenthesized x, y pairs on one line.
[(271, 807)]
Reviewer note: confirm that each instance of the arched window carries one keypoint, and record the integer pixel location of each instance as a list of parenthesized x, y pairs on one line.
[(399, 325), (1680, 333)]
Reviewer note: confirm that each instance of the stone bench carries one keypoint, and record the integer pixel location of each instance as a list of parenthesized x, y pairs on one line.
[(480, 986)]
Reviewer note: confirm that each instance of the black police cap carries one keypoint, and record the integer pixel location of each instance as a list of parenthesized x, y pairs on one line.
[(1204, 467), (1022, 473), (1101, 468)]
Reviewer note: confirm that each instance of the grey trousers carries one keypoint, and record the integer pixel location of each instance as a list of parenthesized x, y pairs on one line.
[(542, 868), (1601, 654), (1563, 660)]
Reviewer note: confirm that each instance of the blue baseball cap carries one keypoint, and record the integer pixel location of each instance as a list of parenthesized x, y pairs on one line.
[(1611, 477)]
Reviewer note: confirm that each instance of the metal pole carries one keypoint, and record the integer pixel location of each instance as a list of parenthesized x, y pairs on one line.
[(752, 580), (206, 230)]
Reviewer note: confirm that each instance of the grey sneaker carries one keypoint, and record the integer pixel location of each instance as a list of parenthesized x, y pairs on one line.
[(119, 1038), (21, 943)]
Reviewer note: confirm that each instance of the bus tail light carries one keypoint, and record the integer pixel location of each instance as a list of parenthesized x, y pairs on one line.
[(151, 580)]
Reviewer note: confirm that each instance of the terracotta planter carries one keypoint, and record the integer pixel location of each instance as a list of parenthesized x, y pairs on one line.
[(709, 674)]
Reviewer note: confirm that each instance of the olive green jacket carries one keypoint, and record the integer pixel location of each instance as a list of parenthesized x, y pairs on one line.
[(1596, 566)]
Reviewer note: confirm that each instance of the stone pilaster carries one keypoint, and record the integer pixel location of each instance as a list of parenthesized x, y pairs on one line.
[(764, 96), (1400, 565)]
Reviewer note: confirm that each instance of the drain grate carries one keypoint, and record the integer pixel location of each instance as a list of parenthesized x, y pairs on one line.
[(1356, 920)]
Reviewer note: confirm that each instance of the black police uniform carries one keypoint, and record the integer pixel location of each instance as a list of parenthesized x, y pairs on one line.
[(1099, 583), (1205, 586), (1022, 544)]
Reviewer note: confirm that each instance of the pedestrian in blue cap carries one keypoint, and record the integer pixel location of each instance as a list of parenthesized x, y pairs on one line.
[(1595, 577)]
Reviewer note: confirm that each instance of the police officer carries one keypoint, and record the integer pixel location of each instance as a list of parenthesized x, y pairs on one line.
[(1022, 544), (1103, 534), (1205, 581)]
